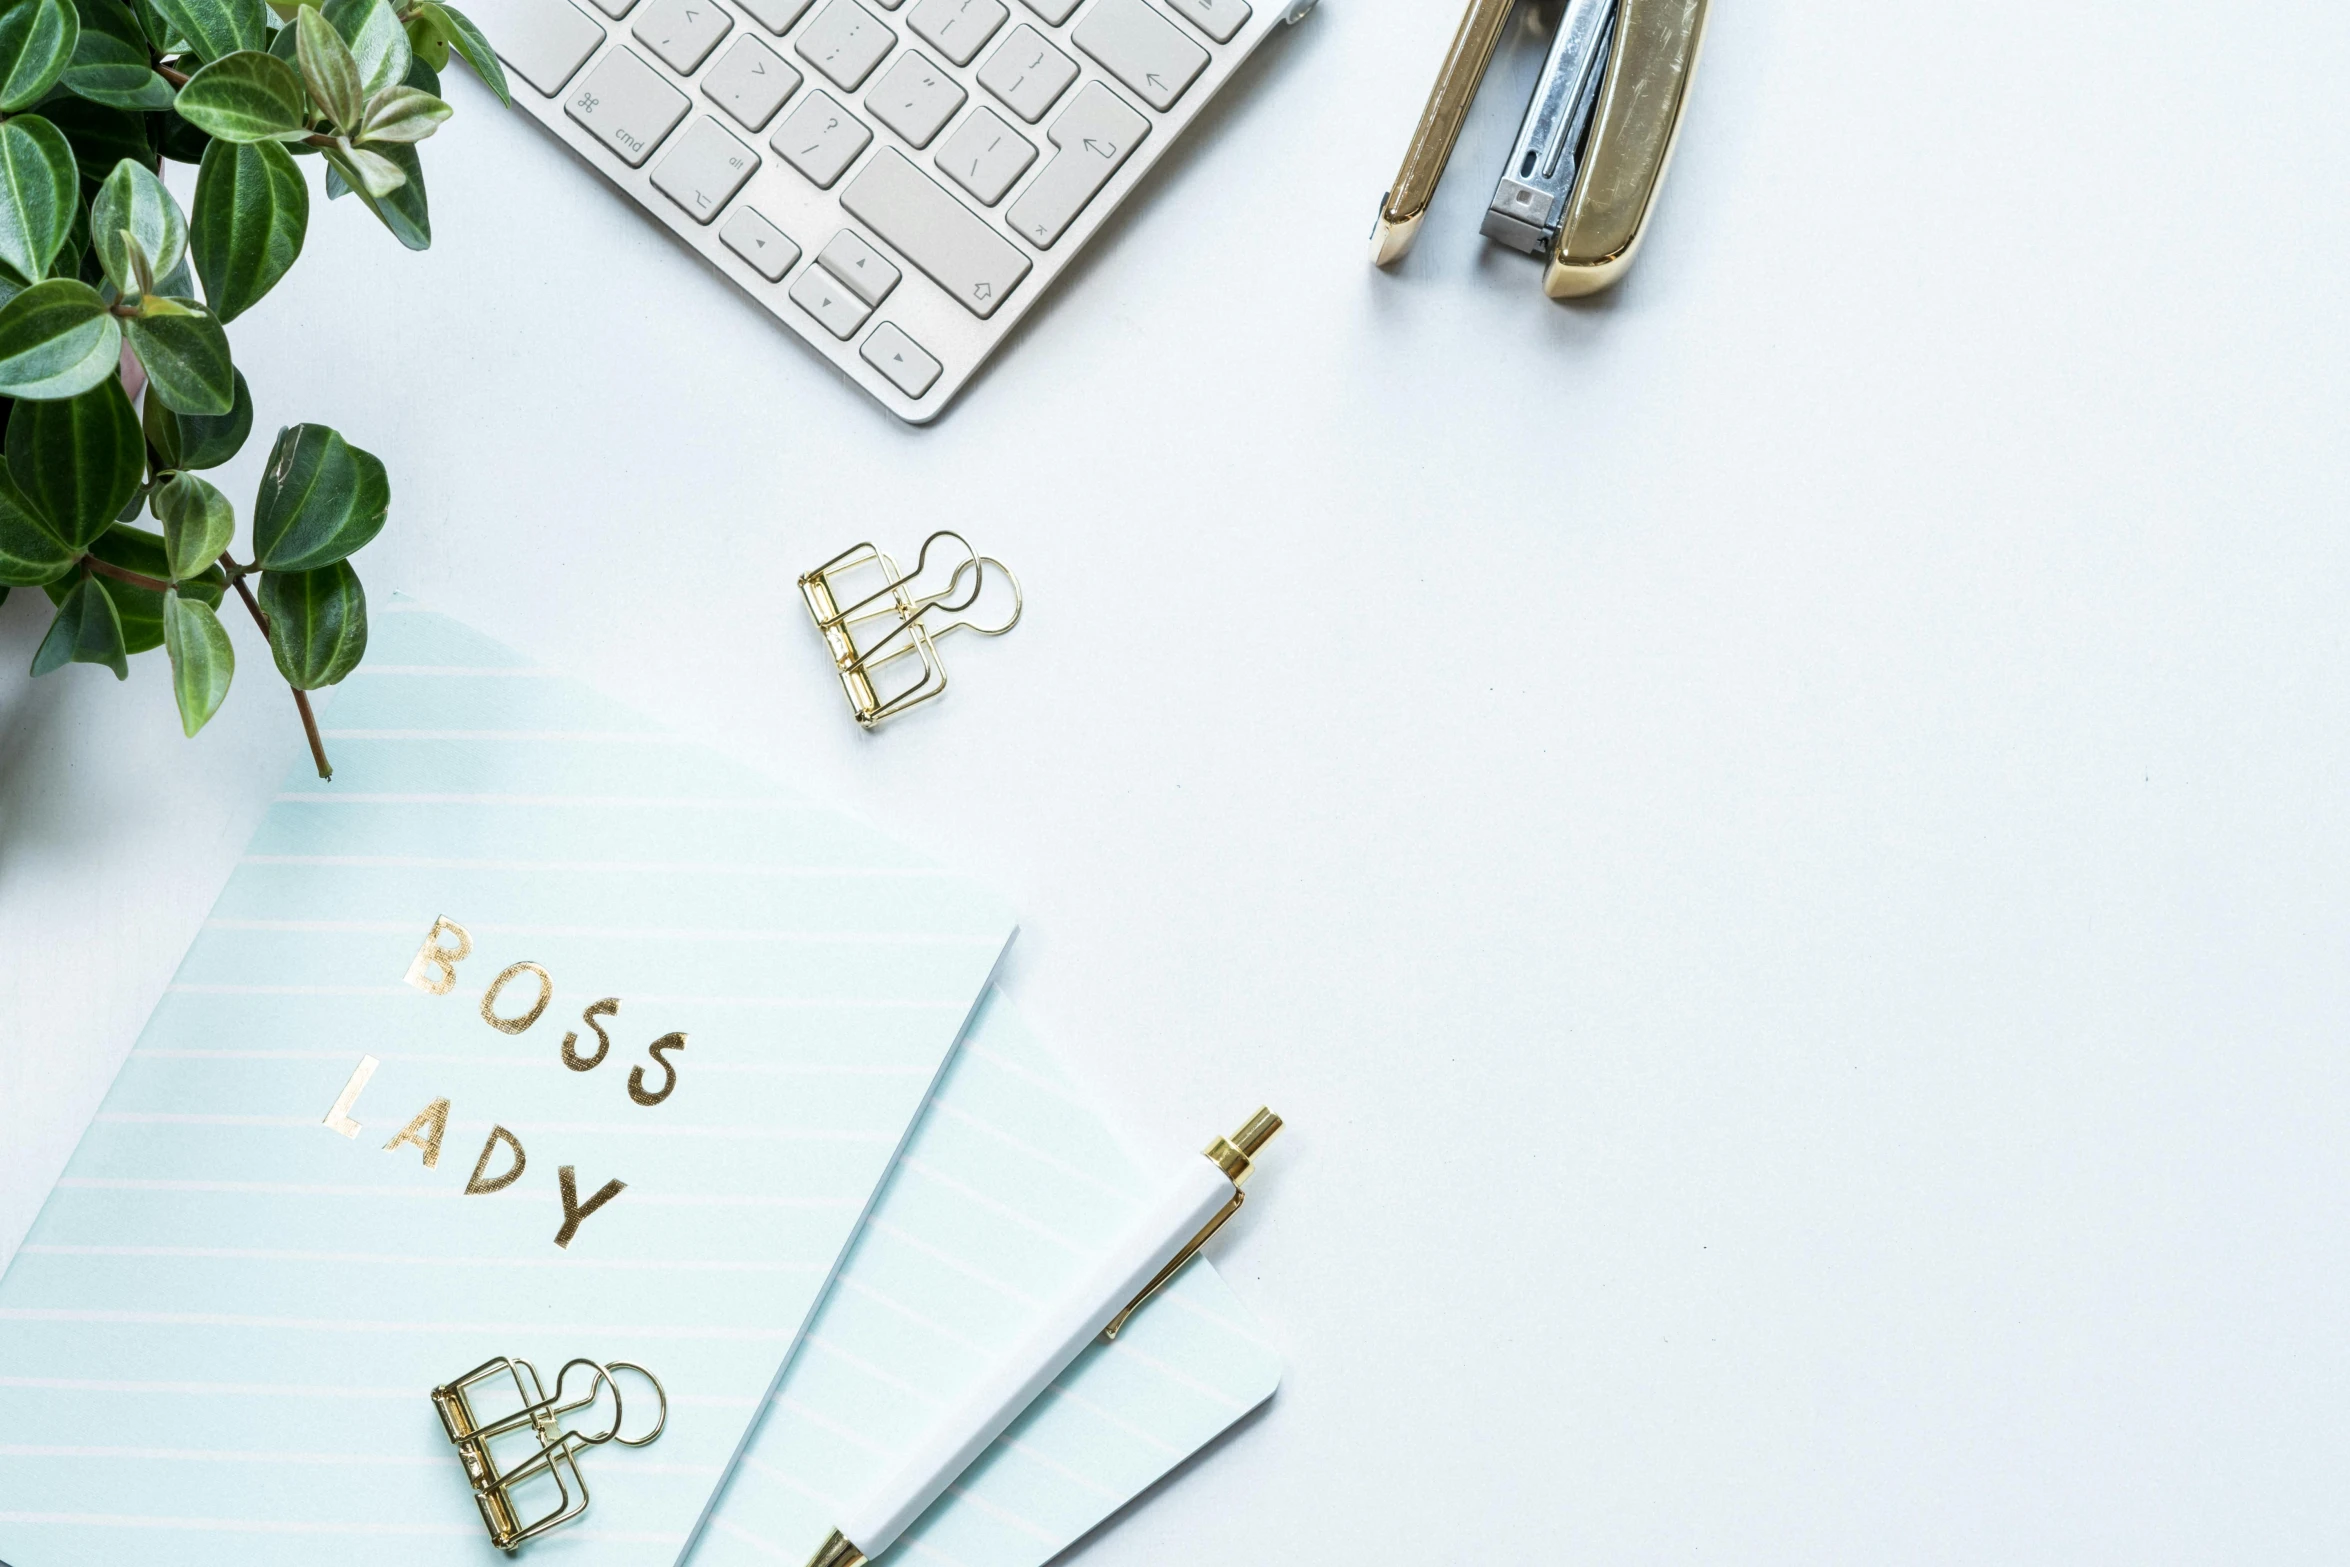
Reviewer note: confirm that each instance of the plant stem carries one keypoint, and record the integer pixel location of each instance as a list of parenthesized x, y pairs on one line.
[(301, 697), (176, 78), (108, 569)]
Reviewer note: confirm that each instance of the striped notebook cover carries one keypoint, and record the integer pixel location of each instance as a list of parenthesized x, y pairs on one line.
[(1010, 1182), (217, 1343)]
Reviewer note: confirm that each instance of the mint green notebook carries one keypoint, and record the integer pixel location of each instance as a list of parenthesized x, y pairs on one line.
[(217, 1343)]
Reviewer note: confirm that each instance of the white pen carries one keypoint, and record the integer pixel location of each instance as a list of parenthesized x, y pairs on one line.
[(1144, 1256)]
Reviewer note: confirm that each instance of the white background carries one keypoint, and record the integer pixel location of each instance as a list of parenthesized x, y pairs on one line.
[(1778, 836)]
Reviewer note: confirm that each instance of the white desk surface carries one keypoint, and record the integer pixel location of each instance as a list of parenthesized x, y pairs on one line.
[(1778, 836)]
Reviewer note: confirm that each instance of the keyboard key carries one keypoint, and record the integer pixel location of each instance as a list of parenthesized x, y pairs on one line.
[(828, 299), (615, 9), (820, 138), (776, 15), (867, 272), (1219, 19), (704, 169), (936, 232), (1053, 11), (1094, 135), (1027, 73), (767, 248), (682, 32), (1142, 49), (985, 156), (846, 42), (914, 98), (899, 357), (750, 82), (957, 28), (545, 41), (629, 105)]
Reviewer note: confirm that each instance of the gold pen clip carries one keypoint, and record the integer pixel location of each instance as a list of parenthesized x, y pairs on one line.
[(1592, 150), (1235, 1156)]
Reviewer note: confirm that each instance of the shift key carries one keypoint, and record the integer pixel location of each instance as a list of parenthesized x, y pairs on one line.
[(936, 232), (1094, 135)]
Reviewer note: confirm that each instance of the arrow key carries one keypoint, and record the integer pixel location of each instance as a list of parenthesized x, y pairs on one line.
[(899, 357), (1093, 136), (767, 248), (1142, 49)]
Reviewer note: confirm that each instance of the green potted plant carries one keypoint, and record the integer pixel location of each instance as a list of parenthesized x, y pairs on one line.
[(116, 383)]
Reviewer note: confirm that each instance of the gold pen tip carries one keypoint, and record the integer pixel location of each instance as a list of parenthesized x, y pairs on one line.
[(836, 1551), (1235, 1155)]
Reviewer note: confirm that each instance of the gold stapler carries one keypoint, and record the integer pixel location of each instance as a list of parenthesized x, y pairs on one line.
[(1584, 170)]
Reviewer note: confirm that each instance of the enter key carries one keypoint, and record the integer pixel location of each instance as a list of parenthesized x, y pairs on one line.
[(1093, 136)]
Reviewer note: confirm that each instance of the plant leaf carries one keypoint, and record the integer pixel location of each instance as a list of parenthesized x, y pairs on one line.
[(216, 29), (177, 139), (320, 499), (86, 630), (246, 97), (132, 208), (37, 39), (329, 70), (77, 459), (199, 440), (111, 61), (38, 195), (378, 175), (56, 340), (463, 36), (198, 524), (378, 42), (31, 553), (252, 210), (202, 662), (185, 350), (141, 609), (317, 623), (403, 211), (401, 114)]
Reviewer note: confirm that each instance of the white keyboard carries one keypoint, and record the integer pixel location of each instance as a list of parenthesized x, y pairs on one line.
[(898, 181)]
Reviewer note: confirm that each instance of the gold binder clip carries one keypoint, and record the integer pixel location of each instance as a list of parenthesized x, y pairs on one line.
[(902, 617), (1592, 151), (524, 1448)]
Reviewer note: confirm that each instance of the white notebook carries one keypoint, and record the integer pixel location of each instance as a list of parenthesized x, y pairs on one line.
[(218, 1342), (1010, 1182)]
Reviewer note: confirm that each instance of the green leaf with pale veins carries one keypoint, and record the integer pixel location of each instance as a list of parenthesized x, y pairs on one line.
[(246, 97), (31, 553), (38, 194), (199, 440), (141, 609), (202, 662), (78, 459), (401, 114), (216, 29), (86, 630), (111, 62), (403, 211), (133, 208), (378, 42), (37, 39), (252, 209), (317, 623), (320, 499), (56, 340), (455, 26), (329, 70), (198, 524), (185, 351)]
